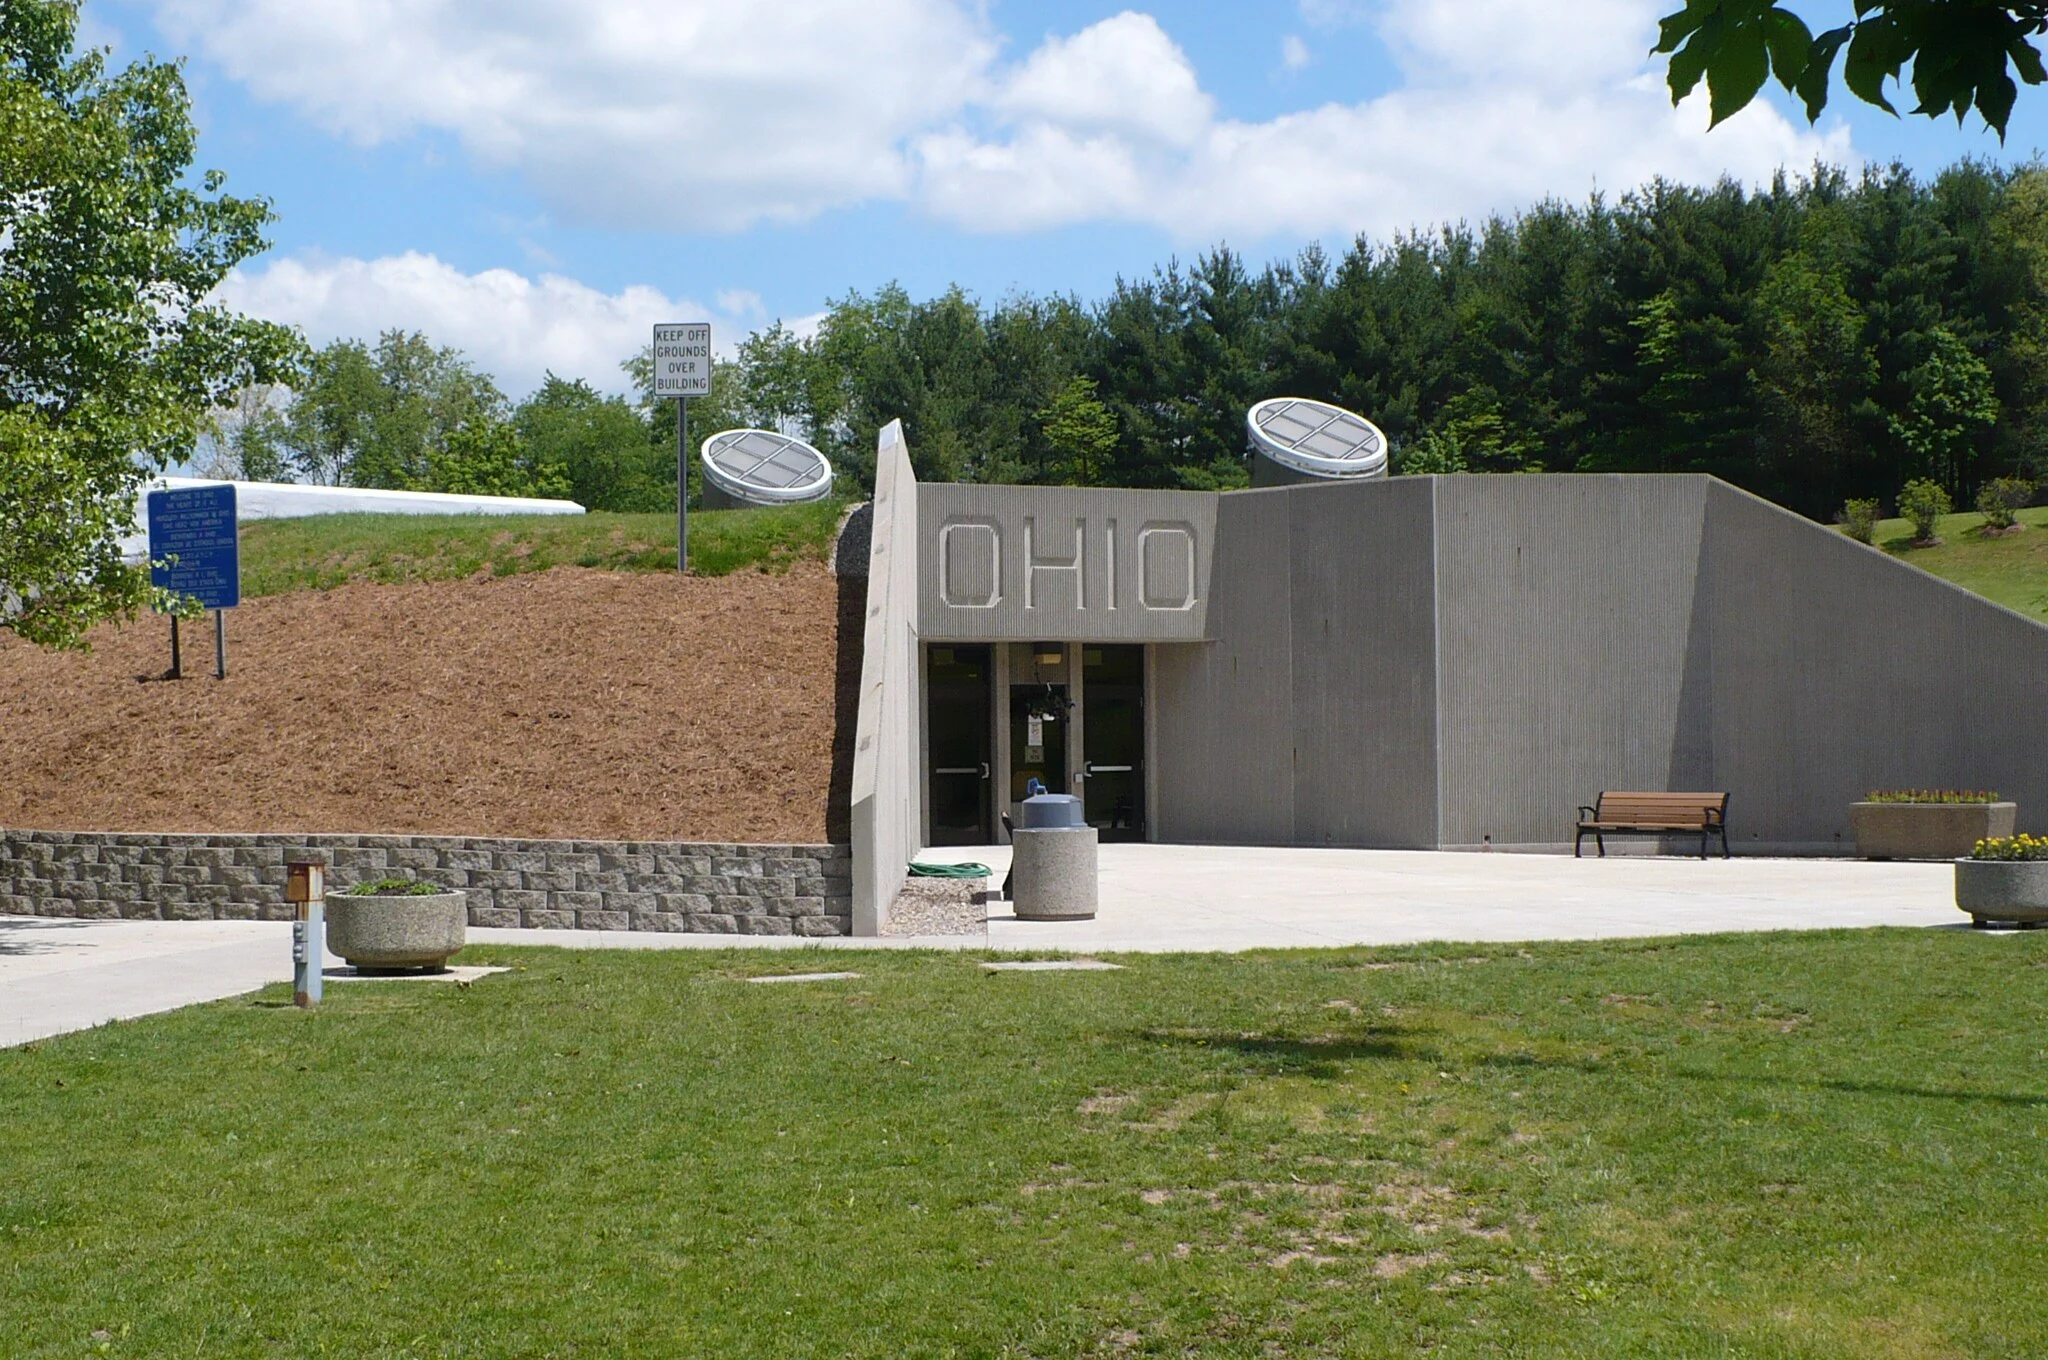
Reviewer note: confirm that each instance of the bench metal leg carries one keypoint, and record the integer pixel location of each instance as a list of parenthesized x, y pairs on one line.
[(1600, 839)]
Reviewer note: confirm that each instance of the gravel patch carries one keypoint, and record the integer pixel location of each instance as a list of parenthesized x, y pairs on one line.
[(940, 906)]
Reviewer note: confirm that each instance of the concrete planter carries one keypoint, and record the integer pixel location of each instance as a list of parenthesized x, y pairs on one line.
[(1054, 868), (1927, 830), (2002, 889), (397, 932)]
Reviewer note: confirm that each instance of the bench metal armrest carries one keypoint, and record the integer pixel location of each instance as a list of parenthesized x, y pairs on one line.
[(1588, 814)]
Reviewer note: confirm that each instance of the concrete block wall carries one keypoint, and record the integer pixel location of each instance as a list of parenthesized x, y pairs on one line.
[(566, 885)]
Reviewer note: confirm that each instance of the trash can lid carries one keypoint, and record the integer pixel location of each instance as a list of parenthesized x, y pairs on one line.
[(1050, 811)]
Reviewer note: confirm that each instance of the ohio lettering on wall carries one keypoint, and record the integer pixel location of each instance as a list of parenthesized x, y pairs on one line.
[(1029, 563)]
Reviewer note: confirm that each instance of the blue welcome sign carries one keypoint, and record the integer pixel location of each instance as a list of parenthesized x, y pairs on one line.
[(192, 544)]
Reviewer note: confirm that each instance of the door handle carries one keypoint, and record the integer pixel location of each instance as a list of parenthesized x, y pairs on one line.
[(984, 769), (1093, 768)]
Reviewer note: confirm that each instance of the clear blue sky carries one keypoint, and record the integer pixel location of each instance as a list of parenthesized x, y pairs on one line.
[(537, 183)]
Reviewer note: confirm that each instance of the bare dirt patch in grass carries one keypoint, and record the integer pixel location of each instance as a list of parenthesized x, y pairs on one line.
[(566, 703)]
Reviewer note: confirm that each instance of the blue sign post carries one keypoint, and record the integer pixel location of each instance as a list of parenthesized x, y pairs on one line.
[(193, 552)]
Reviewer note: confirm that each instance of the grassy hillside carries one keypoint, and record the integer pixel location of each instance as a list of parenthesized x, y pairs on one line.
[(2013, 570), (322, 551)]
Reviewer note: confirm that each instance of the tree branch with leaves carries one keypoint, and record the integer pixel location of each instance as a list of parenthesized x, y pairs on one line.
[(112, 354), (1964, 54)]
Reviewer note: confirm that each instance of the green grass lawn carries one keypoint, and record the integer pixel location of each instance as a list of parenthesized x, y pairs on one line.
[(2013, 570), (1766, 1146), (320, 551)]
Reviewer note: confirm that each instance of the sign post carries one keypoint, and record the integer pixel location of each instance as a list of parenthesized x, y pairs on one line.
[(682, 369), (193, 551)]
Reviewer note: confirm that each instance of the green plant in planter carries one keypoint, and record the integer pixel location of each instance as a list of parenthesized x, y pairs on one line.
[(2020, 847), (1931, 796), (396, 887)]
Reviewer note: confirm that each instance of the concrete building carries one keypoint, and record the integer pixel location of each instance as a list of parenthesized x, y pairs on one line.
[(1422, 662)]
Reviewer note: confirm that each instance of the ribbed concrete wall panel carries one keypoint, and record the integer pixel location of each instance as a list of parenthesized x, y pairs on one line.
[(1224, 709), (886, 813), (1081, 564), (1837, 670), (1566, 617), (1364, 663)]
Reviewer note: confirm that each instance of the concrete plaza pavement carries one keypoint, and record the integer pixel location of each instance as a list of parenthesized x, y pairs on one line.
[(58, 975)]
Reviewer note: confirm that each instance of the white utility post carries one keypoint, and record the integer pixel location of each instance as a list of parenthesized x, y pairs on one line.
[(682, 369)]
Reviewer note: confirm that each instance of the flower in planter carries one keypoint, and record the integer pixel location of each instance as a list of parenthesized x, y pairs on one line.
[(396, 887), (2020, 847), (1931, 796)]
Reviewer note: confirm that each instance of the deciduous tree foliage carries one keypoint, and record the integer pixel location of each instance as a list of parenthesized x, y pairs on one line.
[(1963, 53), (111, 357)]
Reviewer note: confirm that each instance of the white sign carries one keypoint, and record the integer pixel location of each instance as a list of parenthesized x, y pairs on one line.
[(682, 360)]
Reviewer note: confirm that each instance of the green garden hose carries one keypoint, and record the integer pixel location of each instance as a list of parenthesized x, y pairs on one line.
[(968, 870)]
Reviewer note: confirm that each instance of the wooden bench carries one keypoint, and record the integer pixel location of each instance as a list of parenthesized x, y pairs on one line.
[(1654, 814)]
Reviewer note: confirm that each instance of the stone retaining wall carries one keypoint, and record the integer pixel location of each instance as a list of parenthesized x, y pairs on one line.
[(566, 885)]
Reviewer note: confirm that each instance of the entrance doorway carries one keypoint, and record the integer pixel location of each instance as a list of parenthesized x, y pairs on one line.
[(1113, 731), (1038, 736), (957, 731)]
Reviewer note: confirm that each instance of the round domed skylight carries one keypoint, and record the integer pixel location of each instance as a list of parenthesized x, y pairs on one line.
[(761, 467), (1316, 438)]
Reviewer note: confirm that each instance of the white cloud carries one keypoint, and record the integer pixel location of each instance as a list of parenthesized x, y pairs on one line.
[(511, 326), (713, 115), (1503, 102), (1123, 76), (1294, 53)]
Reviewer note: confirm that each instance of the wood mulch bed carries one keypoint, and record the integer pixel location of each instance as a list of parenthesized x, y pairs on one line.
[(569, 703)]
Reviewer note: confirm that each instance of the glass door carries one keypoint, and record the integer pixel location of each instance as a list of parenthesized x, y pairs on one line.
[(957, 733), (1113, 731)]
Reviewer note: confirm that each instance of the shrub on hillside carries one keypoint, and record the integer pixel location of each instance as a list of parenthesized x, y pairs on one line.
[(1998, 500), (1923, 502), (1859, 520)]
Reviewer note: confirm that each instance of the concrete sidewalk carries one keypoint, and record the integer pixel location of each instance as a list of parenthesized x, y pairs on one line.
[(59, 975)]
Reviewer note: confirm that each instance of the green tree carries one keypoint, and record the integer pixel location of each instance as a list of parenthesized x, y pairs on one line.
[(111, 354), (488, 458), (249, 439), (1814, 371), (1963, 53), (600, 444), (1081, 432), (333, 414), (1952, 404)]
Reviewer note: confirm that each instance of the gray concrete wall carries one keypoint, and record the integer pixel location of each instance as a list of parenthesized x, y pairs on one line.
[(567, 885), (1837, 670), (886, 799), (1365, 662), (1571, 659), (1311, 718), (1223, 711), (1079, 564)]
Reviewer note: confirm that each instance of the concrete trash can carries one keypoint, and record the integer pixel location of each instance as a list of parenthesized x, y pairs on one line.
[(1053, 860)]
